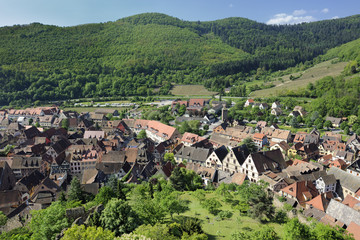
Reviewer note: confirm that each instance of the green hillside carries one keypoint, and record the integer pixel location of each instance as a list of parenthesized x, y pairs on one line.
[(134, 55)]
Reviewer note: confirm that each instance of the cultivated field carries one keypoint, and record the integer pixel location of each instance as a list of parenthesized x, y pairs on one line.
[(191, 90), (310, 75)]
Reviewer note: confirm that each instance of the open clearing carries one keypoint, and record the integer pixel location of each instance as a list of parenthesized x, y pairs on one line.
[(222, 229), (191, 90), (310, 75)]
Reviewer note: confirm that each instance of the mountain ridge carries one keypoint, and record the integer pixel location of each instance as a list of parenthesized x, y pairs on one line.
[(134, 55)]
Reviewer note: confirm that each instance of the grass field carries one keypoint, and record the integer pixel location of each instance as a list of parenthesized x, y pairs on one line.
[(222, 229), (191, 90), (91, 109), (310, 75)]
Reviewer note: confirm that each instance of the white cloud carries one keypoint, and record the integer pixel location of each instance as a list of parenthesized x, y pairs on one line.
[(325, 10), (336, 17), (299, 12), (283, 18), (231, 5)]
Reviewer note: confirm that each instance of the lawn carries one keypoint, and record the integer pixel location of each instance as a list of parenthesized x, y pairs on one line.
[(310, 75), (191, 90), (222, 229)]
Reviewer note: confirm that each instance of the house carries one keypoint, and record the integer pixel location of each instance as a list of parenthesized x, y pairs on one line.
[(353, 143), (209, 118), (260, 140), (235, 158), (320, 202), (258, 163), (326, 183), (44, 193), (263, 106), (94, 134), (46, 121), (334, 121), (105, 111), (301, 192), (354, 168), (196, 105), (276, 181), (306, 138), (354, 229), (348, 157), (350, 184), (155, 130), (10, 200), (189, 139), (84, 124), (215, 159), (221, 128), (275, 104), (309, 151), (328, 147), (27, 184), (341, 164), (216, 109), (283, 146), (7, 177), (343, 213), (98, 118), (206, 174), (249, 102), (260, 125), (276, 111), (192, 155), (298, 111), (276, 135), (24, 165)]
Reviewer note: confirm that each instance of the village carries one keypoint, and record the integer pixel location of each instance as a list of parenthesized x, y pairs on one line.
[(43, 148)]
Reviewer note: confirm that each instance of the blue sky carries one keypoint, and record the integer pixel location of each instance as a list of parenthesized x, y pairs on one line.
[(75, 12)]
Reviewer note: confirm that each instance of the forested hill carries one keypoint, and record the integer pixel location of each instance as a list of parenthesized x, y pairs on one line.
[(134, 55)]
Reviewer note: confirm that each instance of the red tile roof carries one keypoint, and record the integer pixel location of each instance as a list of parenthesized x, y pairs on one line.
[(354, 229), (350, 201)]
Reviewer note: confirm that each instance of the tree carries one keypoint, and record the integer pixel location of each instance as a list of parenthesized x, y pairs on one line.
[(294, 123), (251, 146), (328, 124), (265, 232), (261, 205), (46, 223), (325, 232), (75, 192), (88, 233), (182, 179), (346, 131), (105, 195), (119, 217), (172, 203), (343, 125), (141, 134), (294, 229), (182, 110), (353, 119), (354, 127), (116, 186), (3, 219), (65, 123), (169, 157), (212, 205)]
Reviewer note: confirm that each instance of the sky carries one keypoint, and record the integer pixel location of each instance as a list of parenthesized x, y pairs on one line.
[(75, 12)]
